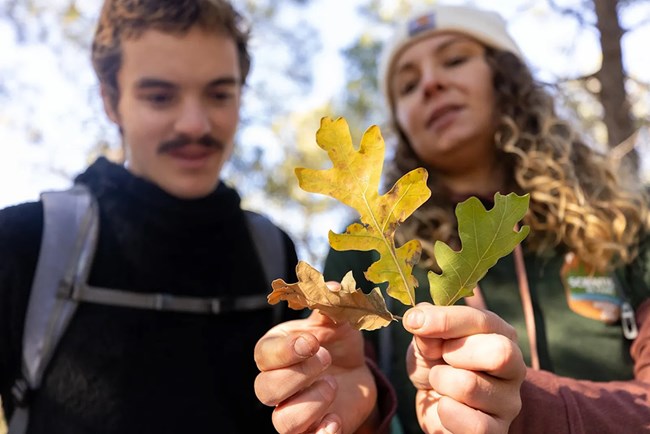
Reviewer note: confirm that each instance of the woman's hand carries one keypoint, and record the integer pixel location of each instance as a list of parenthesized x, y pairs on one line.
[(467, 368)]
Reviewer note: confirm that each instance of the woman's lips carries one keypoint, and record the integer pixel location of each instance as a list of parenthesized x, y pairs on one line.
[(443, 116)]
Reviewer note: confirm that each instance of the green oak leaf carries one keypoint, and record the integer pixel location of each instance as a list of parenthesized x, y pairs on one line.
[(486, 236)]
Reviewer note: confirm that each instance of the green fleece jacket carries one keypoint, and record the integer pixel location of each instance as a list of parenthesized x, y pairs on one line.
[(587, 382)]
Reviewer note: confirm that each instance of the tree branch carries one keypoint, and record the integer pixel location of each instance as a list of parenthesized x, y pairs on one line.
[(575, 14)]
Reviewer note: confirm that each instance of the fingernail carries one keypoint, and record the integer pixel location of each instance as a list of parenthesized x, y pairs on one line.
[(331, 426), (324, 356), (302, 348), (333, 286), (331, 381), (414, 319)]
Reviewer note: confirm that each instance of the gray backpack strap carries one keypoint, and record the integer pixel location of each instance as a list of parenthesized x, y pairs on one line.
[(269, 244), (69, 235), (167, 302)]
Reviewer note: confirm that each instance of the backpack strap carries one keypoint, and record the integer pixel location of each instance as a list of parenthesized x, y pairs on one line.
[(70, 232), (269, 244), (67, 246), (167, 302)]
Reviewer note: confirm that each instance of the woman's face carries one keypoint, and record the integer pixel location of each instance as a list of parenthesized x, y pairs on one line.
[(444, 102)]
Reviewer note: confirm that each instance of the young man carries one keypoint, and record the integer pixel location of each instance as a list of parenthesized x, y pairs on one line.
[(171, 75)]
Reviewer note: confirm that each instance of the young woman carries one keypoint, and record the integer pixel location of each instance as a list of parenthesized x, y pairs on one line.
[(571, 302)]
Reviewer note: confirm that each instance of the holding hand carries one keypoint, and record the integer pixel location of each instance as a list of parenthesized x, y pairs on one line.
[(314, 372), (467, 368)]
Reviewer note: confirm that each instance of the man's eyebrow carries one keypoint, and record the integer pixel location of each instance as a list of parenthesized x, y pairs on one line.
[(145, 83), (225, 81), (149, 82)]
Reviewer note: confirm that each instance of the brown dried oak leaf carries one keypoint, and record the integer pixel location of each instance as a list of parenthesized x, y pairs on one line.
[(362, 311)]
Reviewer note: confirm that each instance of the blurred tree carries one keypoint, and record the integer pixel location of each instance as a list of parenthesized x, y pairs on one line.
[(616, 96), (55, 36), (309, 217)]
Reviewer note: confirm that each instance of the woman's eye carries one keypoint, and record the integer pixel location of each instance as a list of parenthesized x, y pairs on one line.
[(407, 87), (455, 61)]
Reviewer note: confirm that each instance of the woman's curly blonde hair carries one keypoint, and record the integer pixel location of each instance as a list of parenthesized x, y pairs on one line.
[(577, 201)]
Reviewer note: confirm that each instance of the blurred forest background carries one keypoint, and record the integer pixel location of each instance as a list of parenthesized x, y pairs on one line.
[(312, 58)]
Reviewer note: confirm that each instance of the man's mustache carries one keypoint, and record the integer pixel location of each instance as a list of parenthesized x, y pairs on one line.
[(183, 140)]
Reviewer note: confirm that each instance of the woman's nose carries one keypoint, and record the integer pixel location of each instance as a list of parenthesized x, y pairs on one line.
[(433, 80)]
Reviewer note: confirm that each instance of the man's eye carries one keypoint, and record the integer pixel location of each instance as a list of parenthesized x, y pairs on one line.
[(159, 98), (221, 96)]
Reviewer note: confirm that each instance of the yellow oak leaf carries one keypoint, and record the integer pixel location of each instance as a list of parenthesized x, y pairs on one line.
[(362, 311), (354, 180)]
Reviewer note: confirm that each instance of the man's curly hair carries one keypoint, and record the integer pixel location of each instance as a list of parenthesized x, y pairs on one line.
[(127, 19), (577, 201)]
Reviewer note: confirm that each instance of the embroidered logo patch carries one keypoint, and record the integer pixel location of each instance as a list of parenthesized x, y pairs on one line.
[(421, 23), (590, 294)]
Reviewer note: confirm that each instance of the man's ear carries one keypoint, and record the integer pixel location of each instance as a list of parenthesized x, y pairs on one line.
[(109, 104)]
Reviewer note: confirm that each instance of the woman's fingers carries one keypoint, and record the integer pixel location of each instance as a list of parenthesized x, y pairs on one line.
[(467, 367), (418, 366), (477, 390), (493, 354), (457, 417), (443, 415), (449, 322)]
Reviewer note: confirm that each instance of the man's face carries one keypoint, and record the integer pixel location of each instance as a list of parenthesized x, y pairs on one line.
[(178, 108)]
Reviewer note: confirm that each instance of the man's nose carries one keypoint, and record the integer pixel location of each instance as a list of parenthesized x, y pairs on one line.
[(193, 120)]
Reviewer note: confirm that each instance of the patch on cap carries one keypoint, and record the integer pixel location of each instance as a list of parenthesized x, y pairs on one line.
[(421, 23)]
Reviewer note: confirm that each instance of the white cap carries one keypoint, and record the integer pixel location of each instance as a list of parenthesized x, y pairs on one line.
[(487, 27)]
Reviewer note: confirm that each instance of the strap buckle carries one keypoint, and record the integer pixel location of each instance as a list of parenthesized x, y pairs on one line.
[(215, 306), (21, 393), (161, 302), (628, 321)]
